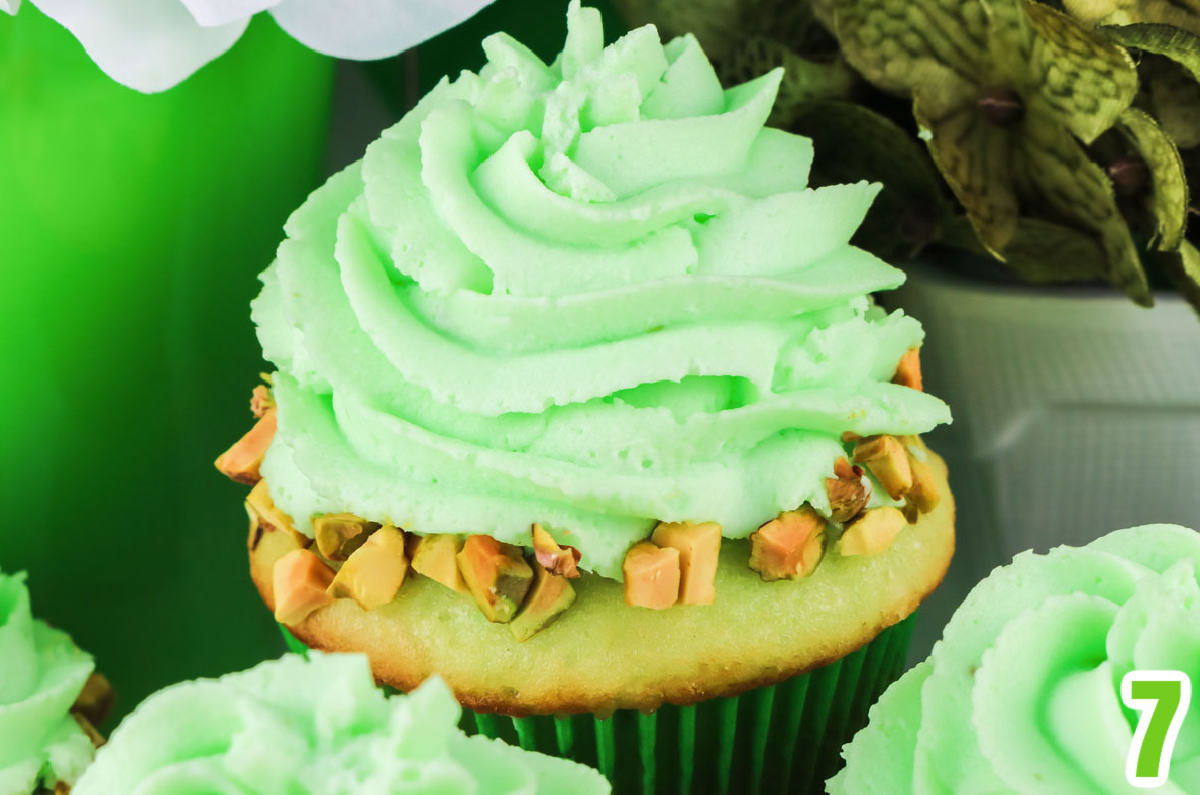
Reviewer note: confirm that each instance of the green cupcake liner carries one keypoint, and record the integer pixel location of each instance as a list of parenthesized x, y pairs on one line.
[(784, 738)]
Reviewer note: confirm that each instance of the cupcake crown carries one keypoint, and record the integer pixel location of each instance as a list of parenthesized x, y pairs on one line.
[(1023, 692), (42, 674), (315, 725), (594, 294)]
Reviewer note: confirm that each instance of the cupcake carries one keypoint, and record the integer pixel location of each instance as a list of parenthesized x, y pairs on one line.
[(50, 700), (581, 403), (316, 725), (1023, 693)]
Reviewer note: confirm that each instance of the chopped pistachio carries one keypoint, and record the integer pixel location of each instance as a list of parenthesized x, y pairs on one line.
[(789, 546), (373, 574), (548, 598), (848, 493), (888, 461), (261, 400), (434, 557), (872, 532), (924, 493), (651, 576), (265, 516), (95, 701), (241, 461), (699, 547), (496, 575), (908, 371), (562, 560), (300, 581), (339, 534)]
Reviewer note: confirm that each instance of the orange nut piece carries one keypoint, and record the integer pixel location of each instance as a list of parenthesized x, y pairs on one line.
[(924, 493), (96, 699), (847, 492), (300, 580), (789, 546), (908, 371), (241, 462), (261, 400), (548, 598), (887, 459), (434, 557), (873, 532), (651, 576), (374, 572), (496, 575), (556, 559), (699, 547), (266, 516), (338, 535)]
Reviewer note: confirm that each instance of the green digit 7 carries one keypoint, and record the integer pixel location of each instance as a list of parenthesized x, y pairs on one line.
[(1162, 698)]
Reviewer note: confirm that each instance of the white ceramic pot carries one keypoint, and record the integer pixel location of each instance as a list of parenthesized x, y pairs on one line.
[(1075, 413)]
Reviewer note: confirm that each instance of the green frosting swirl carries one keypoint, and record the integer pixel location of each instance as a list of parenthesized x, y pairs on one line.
[(41, 675), (320, 724), (594, 294), (1022, 694)]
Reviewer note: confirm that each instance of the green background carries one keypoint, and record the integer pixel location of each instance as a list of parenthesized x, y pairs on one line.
[(132, 230)]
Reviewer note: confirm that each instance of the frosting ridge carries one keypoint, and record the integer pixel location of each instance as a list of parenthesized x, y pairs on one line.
[(593, 294), (315, 724), (1022, 694), (43, 675)]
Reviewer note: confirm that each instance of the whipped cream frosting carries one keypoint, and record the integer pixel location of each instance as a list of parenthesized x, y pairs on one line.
[(1022, 694), (41, 674), (593, 294), (315, 725)]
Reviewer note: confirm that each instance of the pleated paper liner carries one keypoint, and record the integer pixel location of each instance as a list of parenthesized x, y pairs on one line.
[(785, 738)]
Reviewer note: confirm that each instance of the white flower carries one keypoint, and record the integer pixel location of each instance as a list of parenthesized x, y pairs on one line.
[(151, 45)]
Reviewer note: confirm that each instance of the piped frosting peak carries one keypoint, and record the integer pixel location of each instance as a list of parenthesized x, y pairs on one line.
[(594, 294)]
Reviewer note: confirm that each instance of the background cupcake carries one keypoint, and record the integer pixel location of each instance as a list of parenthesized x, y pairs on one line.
[(582, 405), (315, 725), (1023, 693), (49, 700)]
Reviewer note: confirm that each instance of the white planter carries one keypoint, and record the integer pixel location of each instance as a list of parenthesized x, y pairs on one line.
[(1075, 413)]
